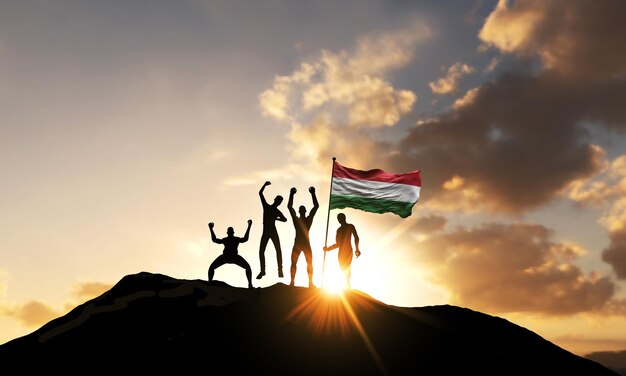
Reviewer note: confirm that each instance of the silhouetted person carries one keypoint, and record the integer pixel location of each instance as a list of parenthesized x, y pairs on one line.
[(343, 241), (302, 225), (271, 214), (230, 254)]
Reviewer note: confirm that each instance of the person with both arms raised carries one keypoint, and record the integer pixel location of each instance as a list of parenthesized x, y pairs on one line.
[(302, 244)]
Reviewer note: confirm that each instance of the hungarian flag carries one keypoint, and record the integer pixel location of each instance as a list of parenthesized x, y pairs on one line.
[(374, 191)]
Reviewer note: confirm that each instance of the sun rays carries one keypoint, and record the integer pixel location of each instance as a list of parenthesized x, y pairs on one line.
[(334, 311)]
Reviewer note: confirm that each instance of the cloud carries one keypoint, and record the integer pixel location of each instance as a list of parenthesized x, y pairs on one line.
[(332, 101), (466, 99), (609, 183), (33, 313), (607, 189), (615, 253), (493, 64), (528, 271), (274, 102), (323, 138), (569, 37), (515, 143), (88, 290), (351, 84), (615, 307), (512, 30), (430, 223), (507, 146), (448, 84)]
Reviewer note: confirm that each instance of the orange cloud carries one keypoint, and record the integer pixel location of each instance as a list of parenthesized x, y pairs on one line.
[(565, 35), (350, 84), (332, 101), (527, 270), (88, 290), (449, 83), (33, 313), (512, 29)]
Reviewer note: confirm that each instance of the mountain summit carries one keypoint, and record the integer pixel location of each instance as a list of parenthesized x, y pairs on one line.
[(155, 323)]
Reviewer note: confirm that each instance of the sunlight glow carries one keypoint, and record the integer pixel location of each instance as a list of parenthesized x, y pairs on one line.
[(329, 313), (334, 283)]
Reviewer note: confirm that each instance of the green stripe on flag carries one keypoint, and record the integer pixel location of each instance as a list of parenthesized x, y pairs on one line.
[(372, 205)]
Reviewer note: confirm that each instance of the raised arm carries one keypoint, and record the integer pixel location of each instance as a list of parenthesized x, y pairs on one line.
[(245, 237), (261, 192), (316, 205), (292, 192), (213, 237)]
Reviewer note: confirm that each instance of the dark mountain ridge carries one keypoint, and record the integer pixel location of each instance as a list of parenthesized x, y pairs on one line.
[(154, 323)]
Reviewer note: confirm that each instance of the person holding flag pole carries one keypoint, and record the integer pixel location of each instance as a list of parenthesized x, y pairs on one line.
[(374, 191)]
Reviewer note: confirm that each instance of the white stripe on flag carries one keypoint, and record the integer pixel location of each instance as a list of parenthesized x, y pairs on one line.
[(375, 190)]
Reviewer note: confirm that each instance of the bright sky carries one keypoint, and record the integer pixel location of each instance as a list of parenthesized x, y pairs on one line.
[(125, 127)]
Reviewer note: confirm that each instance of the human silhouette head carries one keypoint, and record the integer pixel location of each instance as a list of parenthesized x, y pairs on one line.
[(341, 218), (302, 210), (230, 231), (278, 199)]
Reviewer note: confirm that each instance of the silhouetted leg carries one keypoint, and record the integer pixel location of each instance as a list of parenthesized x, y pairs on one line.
[(264, 239), (294, 261), (279, 253), (345, 259), (244, 264), (308, 255), (219, 261)]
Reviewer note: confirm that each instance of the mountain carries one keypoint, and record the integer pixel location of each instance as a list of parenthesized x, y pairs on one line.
[(615, 360), (152, 323)]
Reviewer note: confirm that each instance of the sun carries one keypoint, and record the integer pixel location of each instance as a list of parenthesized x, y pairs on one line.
[(334, 284)]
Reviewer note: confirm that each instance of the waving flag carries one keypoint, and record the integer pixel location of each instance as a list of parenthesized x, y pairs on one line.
[(375, 190)]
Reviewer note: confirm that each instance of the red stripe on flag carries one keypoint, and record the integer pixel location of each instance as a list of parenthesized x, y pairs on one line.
[(410, 178)]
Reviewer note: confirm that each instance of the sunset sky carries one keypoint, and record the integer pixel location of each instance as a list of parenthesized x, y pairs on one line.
[(127, 126)]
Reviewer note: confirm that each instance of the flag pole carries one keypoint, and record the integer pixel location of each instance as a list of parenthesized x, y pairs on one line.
[(332, 172)]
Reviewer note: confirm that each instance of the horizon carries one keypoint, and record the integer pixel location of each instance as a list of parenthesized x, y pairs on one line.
[(126, 128)]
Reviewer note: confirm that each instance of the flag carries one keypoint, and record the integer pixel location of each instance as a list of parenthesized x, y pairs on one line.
[(374, 191)]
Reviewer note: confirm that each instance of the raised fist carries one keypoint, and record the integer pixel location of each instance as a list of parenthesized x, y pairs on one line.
[(267, 183), (293, 190), (211, 224), (312, 189), (249, 221)]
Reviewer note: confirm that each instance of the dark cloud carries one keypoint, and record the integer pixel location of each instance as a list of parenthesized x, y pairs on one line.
[(518, 142), (581, 38), (615, 253), (513, 268), (514, 143)]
